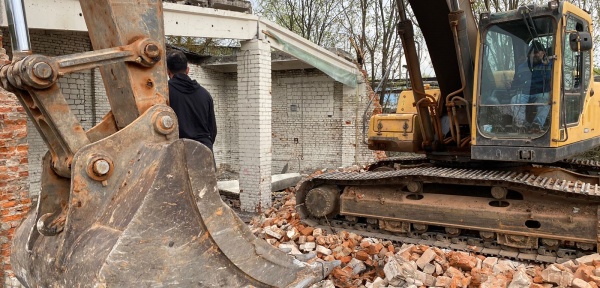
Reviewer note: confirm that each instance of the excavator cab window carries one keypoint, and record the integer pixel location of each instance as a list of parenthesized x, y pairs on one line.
[(390, 103), (576, 73), (516, 76)]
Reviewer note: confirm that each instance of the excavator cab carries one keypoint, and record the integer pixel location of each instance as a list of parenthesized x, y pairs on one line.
[(516, 80), (533, 86)]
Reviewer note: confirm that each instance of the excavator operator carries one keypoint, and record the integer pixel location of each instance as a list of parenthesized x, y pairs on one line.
[(532, 79)]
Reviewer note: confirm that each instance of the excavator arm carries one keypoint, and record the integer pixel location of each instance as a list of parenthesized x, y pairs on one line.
[(450, 32), (127, 203)]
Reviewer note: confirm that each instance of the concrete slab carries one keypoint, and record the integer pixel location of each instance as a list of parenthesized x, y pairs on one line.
[(281, 181), (278, 182), (229, 187)]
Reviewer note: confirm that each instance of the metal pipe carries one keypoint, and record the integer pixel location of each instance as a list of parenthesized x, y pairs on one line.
[(450, 119), (467, 105), (454, 25), (457, 126), (463, 142), (436, 118), (431, 100), (406, 33), (452, 110), (426, 140), (17, 26)]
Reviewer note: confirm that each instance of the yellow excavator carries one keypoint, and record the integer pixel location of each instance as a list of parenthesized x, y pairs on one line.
[(495, 174), (127, 203)]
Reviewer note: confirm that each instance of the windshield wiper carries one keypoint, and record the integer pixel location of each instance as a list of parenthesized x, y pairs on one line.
[(529, 23)]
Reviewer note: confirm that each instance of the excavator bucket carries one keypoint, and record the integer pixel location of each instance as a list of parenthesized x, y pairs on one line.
[(152, 217)]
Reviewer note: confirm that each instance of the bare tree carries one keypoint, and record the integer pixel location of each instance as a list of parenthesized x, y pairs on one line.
[(594, 8), (371, 24), (375, 34), (315, 20)]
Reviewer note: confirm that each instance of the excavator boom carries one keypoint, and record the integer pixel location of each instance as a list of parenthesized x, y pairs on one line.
[(127, 203)]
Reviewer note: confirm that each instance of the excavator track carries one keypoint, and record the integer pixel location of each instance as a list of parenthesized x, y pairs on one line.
[(400, 162), (443, 241), (391, 163), (583, 165), (509, 214)]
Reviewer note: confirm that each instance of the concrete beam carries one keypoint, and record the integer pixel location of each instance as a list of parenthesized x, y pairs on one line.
[(279, 182), (276, 65), (180, 20), (195, 21), (41, 14), (308, 46)]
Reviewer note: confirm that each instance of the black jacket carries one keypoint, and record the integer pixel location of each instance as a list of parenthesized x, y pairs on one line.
[(194, 108)]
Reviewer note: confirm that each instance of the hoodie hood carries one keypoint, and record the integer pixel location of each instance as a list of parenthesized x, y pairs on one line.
[(183, 83)]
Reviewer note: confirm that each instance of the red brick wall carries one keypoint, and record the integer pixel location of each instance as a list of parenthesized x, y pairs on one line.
[(14, 186)]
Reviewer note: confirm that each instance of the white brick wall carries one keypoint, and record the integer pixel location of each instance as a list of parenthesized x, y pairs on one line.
[(316, 123), (99, 99), (315, 95), (354, 151)]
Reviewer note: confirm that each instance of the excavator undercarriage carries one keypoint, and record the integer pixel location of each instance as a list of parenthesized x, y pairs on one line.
[(527, 212)]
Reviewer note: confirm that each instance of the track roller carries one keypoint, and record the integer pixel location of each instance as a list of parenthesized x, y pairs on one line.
[(452, 231), (415, 187), (323, 201), (420, 228)]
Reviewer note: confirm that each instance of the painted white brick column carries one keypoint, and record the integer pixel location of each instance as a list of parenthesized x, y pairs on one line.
[(354, 102), (254, 124)]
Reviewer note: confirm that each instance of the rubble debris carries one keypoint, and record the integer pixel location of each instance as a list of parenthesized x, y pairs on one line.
[(377, 263)]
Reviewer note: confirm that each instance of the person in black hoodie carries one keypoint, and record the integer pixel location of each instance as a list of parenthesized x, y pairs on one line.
[(192, 104)]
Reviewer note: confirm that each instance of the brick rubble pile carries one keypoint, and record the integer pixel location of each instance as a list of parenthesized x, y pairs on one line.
[(374, 263)]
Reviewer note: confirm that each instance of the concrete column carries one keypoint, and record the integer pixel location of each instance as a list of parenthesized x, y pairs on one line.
[(354, 151), (254, 124)]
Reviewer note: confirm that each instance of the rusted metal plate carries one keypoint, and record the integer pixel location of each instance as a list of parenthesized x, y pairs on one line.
[(554, 216)]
